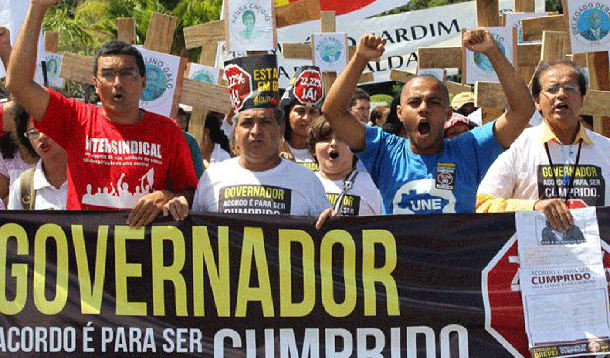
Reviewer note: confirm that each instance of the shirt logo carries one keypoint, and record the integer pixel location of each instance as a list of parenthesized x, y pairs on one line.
[(423, 197)]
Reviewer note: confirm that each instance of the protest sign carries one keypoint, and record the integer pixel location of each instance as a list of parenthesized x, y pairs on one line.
[(250, 25), (231, 285), (589, 25), (253, 81), (162, 72)]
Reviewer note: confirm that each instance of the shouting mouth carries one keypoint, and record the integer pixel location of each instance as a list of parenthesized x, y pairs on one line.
[(423, 128), (333, 155)]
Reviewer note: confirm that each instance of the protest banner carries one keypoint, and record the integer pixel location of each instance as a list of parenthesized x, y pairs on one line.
[(219, 285)]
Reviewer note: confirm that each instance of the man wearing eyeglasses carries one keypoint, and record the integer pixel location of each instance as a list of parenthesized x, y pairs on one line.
[(119, 156), (557, 165)]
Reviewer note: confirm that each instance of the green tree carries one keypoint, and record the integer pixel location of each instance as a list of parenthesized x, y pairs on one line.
[(191, 13)]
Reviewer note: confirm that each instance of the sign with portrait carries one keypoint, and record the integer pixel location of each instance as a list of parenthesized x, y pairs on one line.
[(53, 70), (250, 25), (589, 25), (253, 82), (330, 51), (478, 67), (203, 73), (162, 72)]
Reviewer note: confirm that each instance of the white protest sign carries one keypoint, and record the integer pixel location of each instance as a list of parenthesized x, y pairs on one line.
[(203, 73), (479, 67), (161, 76), (589, 23), (53, 70), (330, 51), (250, 25)]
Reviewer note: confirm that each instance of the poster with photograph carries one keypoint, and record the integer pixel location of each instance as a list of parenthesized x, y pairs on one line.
[(53, 70), (330, 51), (253, 82), (161, 78), (250, 25), (478, 67), (589, 25), (513, 19), (438, 73), (563, 285), (203, 73)]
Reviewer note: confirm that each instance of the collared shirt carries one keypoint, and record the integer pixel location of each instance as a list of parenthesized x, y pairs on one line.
[(523, 174), (547, 135), (47, 196)]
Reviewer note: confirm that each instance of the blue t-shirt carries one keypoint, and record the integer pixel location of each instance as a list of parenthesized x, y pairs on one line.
[(445, 182)]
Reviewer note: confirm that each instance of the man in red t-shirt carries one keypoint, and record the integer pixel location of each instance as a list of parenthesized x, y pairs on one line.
[(119, 156)]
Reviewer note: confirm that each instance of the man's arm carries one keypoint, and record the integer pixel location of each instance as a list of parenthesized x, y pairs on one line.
[(22, 65), (335, 106), (520, 104), (150, 206)]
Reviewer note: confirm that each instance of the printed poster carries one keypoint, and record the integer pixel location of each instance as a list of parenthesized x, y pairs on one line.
[(250, 25), (203, 73), (54, 69), (563, 285), (589, 23), (252, 81), (514, 20), (478, 67), (330, 51), (161, 78)]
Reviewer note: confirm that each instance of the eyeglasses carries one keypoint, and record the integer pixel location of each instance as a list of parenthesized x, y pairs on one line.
[(32, 134), (567, 88), (126, 74)]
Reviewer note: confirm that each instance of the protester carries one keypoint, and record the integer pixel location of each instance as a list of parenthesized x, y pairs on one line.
[(350, 191), (11, 162), (393, 124), (43, 187), (463, 103), (301, 106), (258, 181), (379, 115), (556, 165), (215, 146), (119, 156), (427, 173), (183, 118), (360, 105), (457, 125)]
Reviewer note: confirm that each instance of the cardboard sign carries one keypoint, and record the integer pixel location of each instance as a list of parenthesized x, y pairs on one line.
[(250, 25), (161, 78), (589, 25), (202, 73), (478, 67), (330, 51), (253, 82)]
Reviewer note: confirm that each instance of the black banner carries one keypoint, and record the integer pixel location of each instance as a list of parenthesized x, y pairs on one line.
[(84, 284)]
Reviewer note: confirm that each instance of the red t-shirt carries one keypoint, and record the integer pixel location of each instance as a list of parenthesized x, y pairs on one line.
[(113, 165)]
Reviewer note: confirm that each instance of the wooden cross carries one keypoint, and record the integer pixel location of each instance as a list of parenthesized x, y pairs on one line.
[(453, 87), (209, 34), (306, 52), (159, 38)]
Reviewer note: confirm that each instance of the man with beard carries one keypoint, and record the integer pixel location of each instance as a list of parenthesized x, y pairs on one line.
[(427, 174)]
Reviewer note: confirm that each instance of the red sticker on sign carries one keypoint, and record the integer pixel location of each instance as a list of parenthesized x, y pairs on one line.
[(240, 85), (308, 87)]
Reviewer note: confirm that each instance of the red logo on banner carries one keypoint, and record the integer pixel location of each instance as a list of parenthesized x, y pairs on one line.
[(308, 87), (502, 298), (240, 85)]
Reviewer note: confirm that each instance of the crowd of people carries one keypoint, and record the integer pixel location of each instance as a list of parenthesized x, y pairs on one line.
[(323, 154)]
